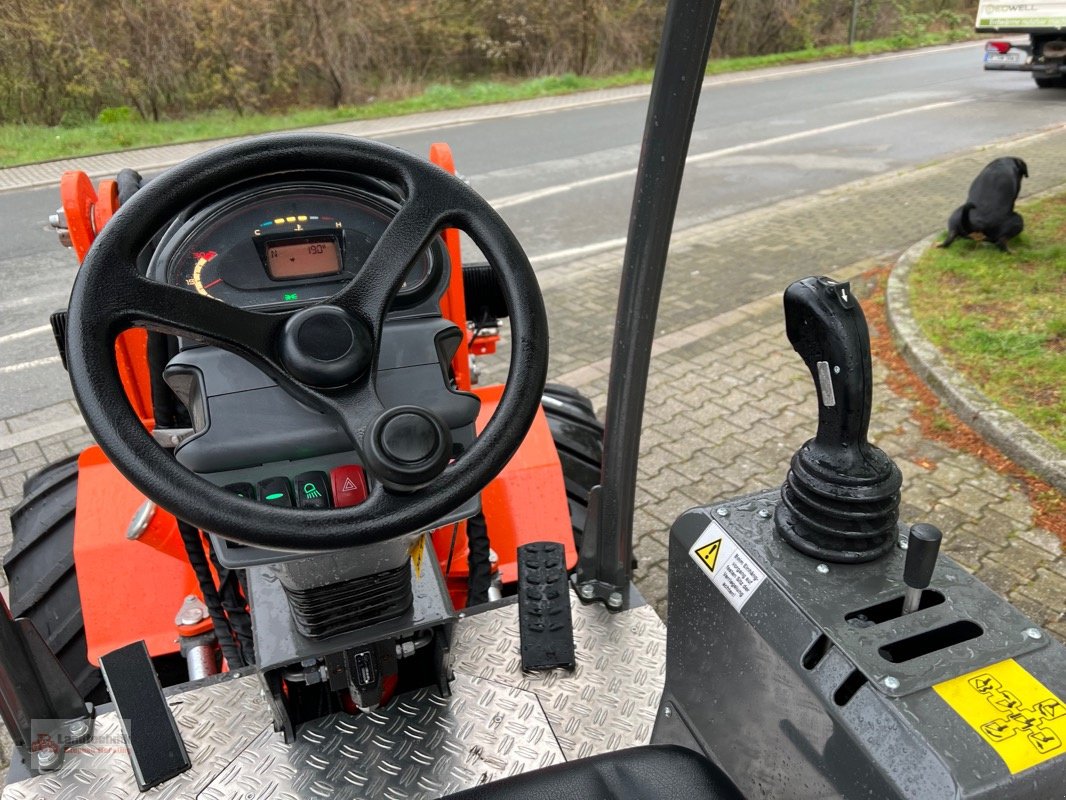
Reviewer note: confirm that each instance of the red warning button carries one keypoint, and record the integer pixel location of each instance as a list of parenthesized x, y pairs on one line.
[(349, 485)]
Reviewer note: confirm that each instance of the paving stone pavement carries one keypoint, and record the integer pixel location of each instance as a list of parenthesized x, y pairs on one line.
[(729, 401)]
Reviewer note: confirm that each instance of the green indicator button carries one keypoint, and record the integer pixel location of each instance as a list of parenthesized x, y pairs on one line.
[(292, 296), (277, 491), (311, 491)]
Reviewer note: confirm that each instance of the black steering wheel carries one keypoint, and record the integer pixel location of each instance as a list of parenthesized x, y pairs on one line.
[(300, 349)]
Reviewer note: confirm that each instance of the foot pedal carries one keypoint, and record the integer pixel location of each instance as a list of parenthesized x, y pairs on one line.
[(544, 623), (157, 751)]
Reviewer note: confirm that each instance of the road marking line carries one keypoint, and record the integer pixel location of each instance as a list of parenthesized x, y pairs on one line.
[(576, 252), (37, 362), (10, 337), (549, 191)]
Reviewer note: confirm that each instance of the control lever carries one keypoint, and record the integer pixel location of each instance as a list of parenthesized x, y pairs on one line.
[(923, 547), (840, 501)]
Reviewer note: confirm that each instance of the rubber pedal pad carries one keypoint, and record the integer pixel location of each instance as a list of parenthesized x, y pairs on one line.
[(544, 624), (157, 751)]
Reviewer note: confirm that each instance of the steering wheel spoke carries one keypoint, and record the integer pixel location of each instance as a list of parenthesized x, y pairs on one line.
[(405, 238), (170, 309)]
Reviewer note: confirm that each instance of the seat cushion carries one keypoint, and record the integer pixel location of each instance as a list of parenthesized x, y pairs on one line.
[(653, 772)]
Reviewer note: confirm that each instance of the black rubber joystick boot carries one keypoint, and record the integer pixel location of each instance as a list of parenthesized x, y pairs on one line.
[(840, 501)]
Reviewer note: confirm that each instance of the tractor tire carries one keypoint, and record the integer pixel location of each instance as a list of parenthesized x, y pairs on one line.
[(40, 571), (578, 437)]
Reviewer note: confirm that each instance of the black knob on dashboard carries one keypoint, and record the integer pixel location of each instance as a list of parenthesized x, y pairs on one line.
[(325, 346), (406, 447), (840, 501)]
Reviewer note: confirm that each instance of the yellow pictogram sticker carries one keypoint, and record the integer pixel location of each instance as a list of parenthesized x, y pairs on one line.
[(1012, 711), (417, 549), (709, 553)]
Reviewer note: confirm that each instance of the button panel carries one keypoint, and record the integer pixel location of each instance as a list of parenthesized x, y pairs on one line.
[(341, 487)]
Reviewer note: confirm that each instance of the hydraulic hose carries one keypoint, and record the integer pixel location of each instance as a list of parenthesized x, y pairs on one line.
[(194, 548)]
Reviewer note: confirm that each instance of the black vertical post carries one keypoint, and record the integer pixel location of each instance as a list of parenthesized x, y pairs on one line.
[(37, 699), (605, 566)]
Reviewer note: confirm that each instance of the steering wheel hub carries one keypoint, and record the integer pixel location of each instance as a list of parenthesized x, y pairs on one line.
[(325, 346)]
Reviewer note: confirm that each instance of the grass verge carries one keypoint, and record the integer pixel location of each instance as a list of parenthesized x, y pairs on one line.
[(1000, 318), (22, 144)]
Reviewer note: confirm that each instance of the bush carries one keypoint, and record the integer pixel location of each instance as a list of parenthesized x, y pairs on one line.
[(115, 115), (123, 61)]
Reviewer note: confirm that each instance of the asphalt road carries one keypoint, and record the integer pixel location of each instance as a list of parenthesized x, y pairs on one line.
[(564, 179)]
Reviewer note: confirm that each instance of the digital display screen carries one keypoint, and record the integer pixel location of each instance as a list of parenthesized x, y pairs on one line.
[(309, 257)]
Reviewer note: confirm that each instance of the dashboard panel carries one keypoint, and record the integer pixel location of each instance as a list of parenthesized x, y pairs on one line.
[(287, 243), (280, 244)]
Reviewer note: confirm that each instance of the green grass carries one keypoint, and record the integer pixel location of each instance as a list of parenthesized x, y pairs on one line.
[(22, 144), (1000, 318)]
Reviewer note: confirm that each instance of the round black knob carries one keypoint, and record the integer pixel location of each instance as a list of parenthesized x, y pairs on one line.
[(325, 346), (407, 446)]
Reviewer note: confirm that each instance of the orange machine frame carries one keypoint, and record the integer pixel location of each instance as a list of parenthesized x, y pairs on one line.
[(525, 502)]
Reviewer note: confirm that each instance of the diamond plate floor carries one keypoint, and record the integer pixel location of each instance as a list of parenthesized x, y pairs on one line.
[(498, 722), (217, 723), (610, 700)]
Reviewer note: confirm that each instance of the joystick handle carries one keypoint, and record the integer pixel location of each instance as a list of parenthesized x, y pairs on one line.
[(840, 500), (923, 547), (827, 328)]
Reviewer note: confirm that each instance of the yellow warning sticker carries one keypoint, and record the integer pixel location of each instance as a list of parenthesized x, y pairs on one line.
[(731, 570), (709, 553), (1012, 711), (417, 549)]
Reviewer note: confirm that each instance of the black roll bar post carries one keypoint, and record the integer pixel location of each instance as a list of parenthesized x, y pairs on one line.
[(605, 566)]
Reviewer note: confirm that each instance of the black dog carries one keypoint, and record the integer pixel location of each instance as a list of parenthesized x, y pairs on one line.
[(988, 213)]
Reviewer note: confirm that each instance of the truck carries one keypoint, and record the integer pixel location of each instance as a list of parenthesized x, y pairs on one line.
[(1044, 57)]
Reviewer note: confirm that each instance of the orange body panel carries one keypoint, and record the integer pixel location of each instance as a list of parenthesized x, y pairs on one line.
[(130, 589), (525, 503), (106, 204), (131, 356), (87, 211), (78, 197)]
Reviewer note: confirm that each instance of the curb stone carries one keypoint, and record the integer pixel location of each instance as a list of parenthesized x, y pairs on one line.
[(999, 427)]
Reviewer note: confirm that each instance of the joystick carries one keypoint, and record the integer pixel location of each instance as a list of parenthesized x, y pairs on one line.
[(840, 501)]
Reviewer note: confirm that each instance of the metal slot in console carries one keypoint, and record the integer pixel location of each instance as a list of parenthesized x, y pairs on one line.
[(928, 642), (891, 609)]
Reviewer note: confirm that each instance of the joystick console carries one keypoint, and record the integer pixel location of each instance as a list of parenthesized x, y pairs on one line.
[(817, 646), (840, 501)]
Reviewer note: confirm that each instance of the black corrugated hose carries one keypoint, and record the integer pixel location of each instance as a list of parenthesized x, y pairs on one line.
[(477, 536), (194, 548)]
